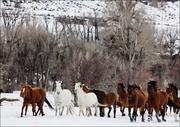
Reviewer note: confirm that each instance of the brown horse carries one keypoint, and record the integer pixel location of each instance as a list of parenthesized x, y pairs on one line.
[(108, 99), (123, 97), (175, 103), (157, 99), (136, 99), (34, 96)]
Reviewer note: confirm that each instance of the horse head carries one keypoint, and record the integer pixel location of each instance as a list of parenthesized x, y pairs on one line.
[(58, 87), (172, 88), (78, 86), (152, 86), (85, 88), (120, 88), (26, 91), (130, 90)]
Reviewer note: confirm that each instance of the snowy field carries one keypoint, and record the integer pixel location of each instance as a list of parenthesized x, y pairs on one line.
[(10, 116)]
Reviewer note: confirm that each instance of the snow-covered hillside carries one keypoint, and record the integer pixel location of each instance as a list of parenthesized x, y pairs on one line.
[(10, 116), (166, 15)]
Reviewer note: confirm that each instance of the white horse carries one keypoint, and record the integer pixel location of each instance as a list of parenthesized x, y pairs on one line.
[(63, 98), (86, 100)]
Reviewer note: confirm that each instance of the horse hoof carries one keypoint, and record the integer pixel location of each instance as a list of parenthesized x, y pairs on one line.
[(163, 119), (159, 120), (123, 114), (109, 116)]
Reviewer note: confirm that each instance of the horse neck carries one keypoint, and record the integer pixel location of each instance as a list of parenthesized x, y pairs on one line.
[(81, 93), (123, 93), (59, 89)]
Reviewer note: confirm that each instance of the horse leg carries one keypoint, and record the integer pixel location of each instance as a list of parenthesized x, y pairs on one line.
[(26, 109), (56, 110), (34, 109), (22, 109), (59, 110), (157, 114), (62, 111), (134, 114), (129, 112), (122, 110), (67, 112), (114, 106), (175, 114), (163, 110), (109, 111), (142, 111), (150, 111), (95, 114), (70, 110), (100, 111)]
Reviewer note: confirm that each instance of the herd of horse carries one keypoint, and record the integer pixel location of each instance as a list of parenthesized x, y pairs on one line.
[(133, 97)]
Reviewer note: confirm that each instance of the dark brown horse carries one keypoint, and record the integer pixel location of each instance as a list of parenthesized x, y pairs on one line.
[(175, 100), (137, 100), (108, 99), (123, 97), (157, 100), (34, 96)]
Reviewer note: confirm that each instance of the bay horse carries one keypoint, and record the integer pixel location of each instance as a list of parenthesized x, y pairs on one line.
[(175, 101), (108, 99), (34, 96), (123, 97), (86, 100), (157, 100), (137, 100)]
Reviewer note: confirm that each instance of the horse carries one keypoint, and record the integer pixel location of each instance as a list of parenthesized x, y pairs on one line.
[(63, 98), (108, 99), (34, 96), (174, 101), (86, 100), (123, 97), (157, 99), (136, 99)]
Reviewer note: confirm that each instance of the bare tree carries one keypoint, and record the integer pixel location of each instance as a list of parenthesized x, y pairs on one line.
[(132, 39)]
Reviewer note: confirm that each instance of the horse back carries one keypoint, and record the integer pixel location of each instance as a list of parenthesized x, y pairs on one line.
[(38, 94), (110, 98), (100, 95), (162, 97)]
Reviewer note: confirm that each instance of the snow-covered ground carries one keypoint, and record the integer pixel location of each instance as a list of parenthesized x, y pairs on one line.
[(10, 116)]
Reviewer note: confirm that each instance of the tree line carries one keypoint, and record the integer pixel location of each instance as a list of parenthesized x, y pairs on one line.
[(128, 49)]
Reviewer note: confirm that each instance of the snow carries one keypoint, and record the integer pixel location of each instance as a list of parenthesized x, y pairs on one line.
[(166, 15), (10, 116)]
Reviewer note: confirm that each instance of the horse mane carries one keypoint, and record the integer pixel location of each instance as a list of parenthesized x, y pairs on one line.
[(136, 86), (174, 87), (98, 91)]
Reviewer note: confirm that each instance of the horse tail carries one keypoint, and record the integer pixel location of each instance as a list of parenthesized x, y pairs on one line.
[(48, 103), (172, 103), (102, 105)]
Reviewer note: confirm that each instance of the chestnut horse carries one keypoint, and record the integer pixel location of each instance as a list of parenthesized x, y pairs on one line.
[(136, 99), (123, 97), (34, 96), (108, 99), (175, 101), (157, 99)]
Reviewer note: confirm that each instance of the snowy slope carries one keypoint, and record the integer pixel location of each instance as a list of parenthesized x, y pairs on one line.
[(165, 15), (10, 116)]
